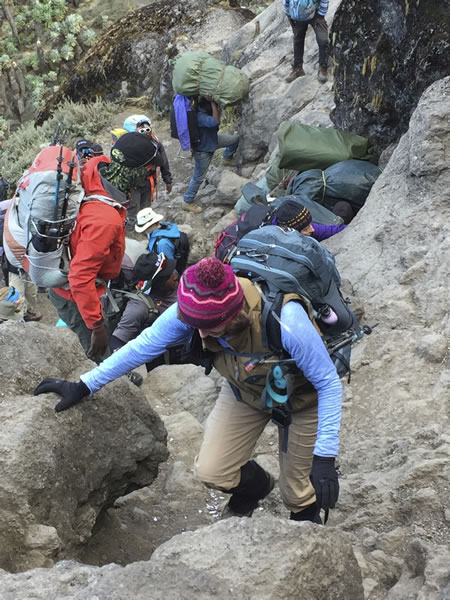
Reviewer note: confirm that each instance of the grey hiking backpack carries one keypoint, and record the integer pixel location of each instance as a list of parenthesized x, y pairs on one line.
[(284, 262), (42, 215)]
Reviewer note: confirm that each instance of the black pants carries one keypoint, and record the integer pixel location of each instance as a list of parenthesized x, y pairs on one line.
[(140, 198), (299, 29)]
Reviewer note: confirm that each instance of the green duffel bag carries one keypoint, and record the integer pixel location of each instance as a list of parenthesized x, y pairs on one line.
[(199, 73), (302, 147), (276, 176)]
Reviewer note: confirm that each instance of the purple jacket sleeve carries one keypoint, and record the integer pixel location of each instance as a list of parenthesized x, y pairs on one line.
[(181, 106), (323, 232)]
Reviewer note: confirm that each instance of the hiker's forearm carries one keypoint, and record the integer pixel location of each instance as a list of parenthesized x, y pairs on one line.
[(152, 342), (301, 340)]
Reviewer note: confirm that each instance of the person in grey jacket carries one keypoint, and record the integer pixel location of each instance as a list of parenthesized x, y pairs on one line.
[(302, 13)]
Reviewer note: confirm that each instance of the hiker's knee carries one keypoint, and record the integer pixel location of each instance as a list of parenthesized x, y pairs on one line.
[(215, 474)]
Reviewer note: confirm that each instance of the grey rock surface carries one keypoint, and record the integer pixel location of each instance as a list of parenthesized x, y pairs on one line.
[(59, 470), (395, 435), (263, 49), (223, 561)]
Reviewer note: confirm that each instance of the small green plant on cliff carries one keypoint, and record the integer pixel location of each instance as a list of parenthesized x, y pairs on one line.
[(19, 149), (37, 37)]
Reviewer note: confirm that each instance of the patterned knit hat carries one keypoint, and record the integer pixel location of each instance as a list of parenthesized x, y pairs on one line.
[(294, 215), (209, 294)]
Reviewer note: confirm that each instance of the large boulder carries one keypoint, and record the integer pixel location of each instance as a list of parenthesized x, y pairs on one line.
[(60, 470), (386, 54), (264, 559)]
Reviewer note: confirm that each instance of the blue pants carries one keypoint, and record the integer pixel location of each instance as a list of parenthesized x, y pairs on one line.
[(203, 159)]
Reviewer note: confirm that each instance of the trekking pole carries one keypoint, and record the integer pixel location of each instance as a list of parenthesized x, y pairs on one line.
[(56, 135), (59, 176), (349, 338), (67, 187)]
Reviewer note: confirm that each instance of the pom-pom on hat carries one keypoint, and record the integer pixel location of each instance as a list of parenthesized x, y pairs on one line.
[(209, 294), (294, 215)]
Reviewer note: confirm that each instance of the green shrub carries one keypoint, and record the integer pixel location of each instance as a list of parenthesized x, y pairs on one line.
[(19, 149)]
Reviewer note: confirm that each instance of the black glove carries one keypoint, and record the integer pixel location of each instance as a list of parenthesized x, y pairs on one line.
[(325, 481), (71, 392)]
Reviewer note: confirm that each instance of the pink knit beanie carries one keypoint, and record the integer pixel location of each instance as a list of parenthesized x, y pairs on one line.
[(209, 294)]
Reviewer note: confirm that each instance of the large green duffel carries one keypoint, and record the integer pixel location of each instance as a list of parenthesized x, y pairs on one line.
[(302, 147), (349, 180), (199, 73)]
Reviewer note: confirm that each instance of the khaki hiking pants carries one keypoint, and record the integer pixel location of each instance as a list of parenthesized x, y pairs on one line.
[(231, 432), (26, 288)]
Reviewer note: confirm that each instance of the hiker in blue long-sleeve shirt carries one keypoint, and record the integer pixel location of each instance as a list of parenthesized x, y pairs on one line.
[(224, 313)]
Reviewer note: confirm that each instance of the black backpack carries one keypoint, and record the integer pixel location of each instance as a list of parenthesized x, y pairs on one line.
[(226, 242), (182, 248)]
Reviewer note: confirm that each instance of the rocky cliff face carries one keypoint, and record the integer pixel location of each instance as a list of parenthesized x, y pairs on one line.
[(132, 58), (386, 53)]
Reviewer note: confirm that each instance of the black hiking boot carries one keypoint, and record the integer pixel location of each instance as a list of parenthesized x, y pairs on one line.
[(310, 513), (295, 74), (255, 485), (322, 74)]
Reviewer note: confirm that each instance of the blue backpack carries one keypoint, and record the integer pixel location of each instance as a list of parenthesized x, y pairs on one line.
[(181, 244), (302, 10)]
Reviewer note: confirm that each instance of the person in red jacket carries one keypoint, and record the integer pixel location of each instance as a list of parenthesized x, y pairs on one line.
[(97, 244)]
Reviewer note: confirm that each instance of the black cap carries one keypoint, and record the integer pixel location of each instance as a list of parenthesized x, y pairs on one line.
[(83, 144), (97, 149), (134, 150), (147, 265)]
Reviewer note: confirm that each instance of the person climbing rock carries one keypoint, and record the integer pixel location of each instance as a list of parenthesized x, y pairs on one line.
[(224, 312), (158, 279), (301, 14), (208, 118), (86, 150)]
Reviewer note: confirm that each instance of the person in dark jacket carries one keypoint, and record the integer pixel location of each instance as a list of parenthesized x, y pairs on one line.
[(293, 215), (97, 244), (144, 195), (156, 277), (208, 117)]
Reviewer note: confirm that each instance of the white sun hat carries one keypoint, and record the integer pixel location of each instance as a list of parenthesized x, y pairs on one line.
[(146, 218)]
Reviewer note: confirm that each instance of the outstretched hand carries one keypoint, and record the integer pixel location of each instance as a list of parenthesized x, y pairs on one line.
[(324, 478), (71, 393)]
